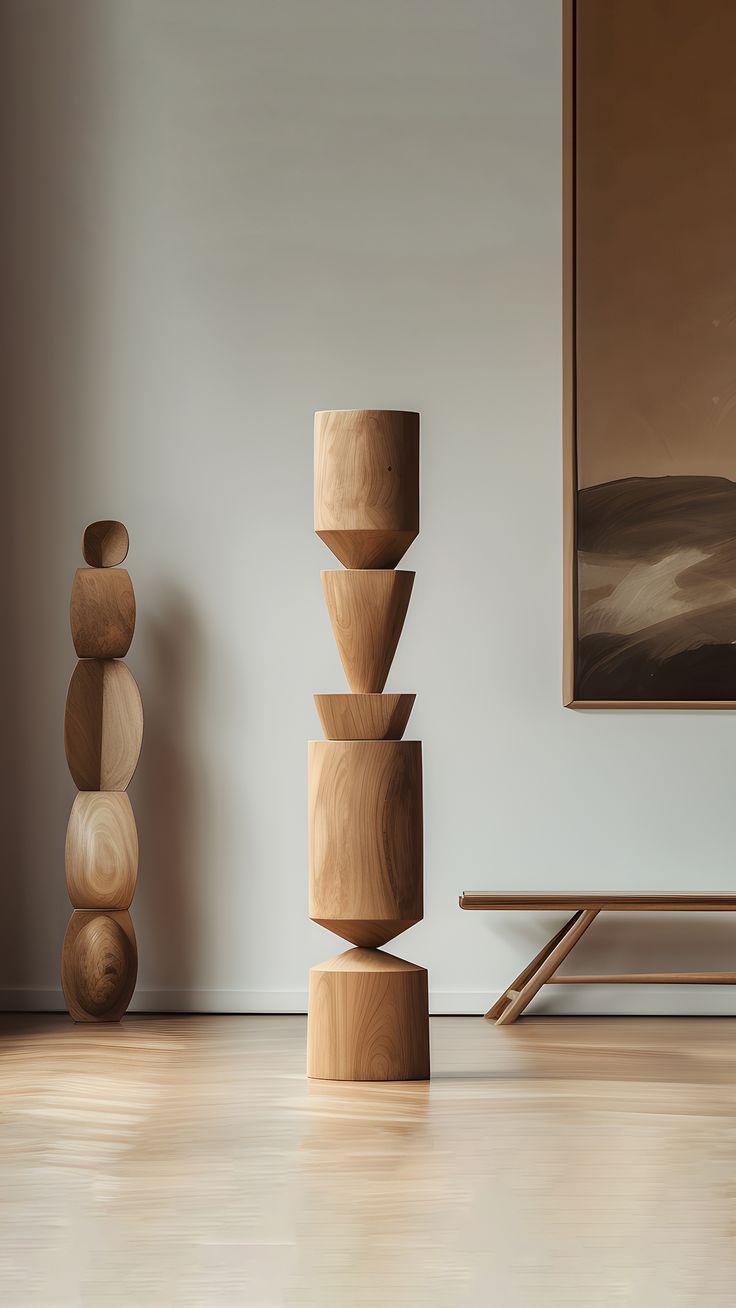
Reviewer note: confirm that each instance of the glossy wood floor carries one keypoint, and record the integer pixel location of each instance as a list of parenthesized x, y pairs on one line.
[(187, 1161)]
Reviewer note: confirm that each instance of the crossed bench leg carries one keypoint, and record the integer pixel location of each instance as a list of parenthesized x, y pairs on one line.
[(521, 991)]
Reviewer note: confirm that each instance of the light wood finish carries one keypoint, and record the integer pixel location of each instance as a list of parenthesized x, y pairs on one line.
[(496, 1009), (367, 611), (105, 544), (364, 717), (103, 725), (102, 613), (187, 1161), (99, 961), (366, 484), (365, 837), (518, 1000), (368, 1019), (101, 853), (670, 903)]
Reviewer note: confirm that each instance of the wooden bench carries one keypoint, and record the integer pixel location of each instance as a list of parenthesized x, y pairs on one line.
[(586, 908)]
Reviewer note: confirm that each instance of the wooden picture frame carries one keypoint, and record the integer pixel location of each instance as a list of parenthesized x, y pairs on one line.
[(711, 23)]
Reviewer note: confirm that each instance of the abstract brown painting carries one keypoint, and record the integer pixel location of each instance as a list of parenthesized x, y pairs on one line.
[(650, 380)]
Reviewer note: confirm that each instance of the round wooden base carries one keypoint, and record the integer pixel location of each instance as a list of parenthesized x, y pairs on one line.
[(368, 1019)]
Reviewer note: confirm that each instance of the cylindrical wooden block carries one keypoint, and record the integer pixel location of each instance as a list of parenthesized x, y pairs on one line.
[(367, 611), (364, 717), (102, 613), (366, 484), (365, 837), (103, 725), (368, 1019), (101, 853), (99, 962)]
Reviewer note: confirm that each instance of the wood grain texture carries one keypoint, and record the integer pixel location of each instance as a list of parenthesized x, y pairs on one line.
[(102, 613), (366, 484), (368, 1019), (101, 854), (367, 610), (99, 962), (670, 903), (364, 717), (103, 725), (519, 999), (105, 544), (365, 837)]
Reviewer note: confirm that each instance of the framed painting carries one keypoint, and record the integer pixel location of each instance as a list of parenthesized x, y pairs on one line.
[(650, 353)]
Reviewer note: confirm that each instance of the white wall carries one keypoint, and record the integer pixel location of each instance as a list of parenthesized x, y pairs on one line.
[(223, 216)]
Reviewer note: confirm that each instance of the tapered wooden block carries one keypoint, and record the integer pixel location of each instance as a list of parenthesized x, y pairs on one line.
[(367, 611), (102, 613), (99, 962), (366, 484), (101, 854), (103, 725), (105, 544), (365, 837), (368, 1019), (364, 717)]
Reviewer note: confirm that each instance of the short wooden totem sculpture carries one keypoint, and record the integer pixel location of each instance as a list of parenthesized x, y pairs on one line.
[(368, 1011), (103, 731)]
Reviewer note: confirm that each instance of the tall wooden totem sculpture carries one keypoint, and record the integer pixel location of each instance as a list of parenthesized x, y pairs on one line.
[(368, 1011), (103, 732)]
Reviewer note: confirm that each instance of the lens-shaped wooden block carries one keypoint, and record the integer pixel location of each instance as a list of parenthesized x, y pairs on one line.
[(364, 717), (103, 725), (368, 1019), (99, 963), (105, 544), (366, 484), (101, 852), (366, 878), (367, 611), (102, 613)]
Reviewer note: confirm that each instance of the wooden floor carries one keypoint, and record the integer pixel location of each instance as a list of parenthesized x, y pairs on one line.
[(187, 1161)]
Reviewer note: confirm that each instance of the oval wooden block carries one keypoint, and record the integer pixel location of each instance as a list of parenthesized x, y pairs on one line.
[(367, 611), (366, 484), (102, 613), (364, 717), (365, 837), (105, 544), (99, 963), (368, 1019), (103, 725), (101, 853)]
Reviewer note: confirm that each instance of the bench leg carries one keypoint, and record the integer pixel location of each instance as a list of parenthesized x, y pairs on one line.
[(520, 993)]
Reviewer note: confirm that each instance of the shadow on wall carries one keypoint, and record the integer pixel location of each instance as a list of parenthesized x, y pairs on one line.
[(167, 800)]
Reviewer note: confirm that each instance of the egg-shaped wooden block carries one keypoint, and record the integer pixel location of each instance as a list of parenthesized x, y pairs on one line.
[(99, 962), (101, 854), (102, 613), (103, 725)]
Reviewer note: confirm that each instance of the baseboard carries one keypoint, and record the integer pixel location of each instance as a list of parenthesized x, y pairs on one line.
[(614, 1000)]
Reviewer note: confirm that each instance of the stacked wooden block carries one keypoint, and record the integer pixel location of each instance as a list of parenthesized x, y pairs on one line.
[(103, 732), (368, 1011)]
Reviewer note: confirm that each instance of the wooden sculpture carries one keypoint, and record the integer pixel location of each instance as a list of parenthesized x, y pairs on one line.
[(368, 1011), (103, 732)]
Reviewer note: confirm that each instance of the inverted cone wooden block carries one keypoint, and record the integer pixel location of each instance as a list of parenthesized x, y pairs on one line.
[(368, 1019), (368, 1011), (367, 611), (364, 717), (103, 732), (366, 484)]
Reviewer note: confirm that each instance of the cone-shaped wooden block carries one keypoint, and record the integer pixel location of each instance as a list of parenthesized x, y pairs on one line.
[(364, 717), (368, 1019), (99, 962), (105, 544), (366, 484), (102, 613), (365, 837), (367, 611), (101, 853), (103, 725)]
